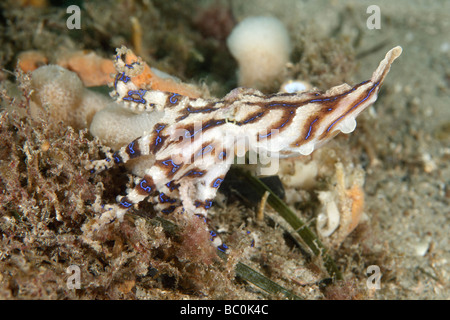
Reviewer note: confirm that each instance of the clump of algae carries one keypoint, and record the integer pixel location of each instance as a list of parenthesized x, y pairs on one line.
[(47, 197)]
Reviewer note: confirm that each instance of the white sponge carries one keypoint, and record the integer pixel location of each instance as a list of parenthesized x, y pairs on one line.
[(261, 45), (116, 126), (58, 88), (62, 94)]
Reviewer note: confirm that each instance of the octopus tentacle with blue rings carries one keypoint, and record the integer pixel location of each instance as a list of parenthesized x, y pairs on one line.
[(195, 141)]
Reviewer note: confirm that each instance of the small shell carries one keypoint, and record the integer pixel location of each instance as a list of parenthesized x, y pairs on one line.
[(295, 86)]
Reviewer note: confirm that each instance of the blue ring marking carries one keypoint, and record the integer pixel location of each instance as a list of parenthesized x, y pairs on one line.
[(121, 77), (116, 157), (319, 100), (124, 78), (167, 199), (200, 216), (158, 139), (281, 104), (217, 182), (187, 134), (192, 172), (169, 210), (172, 98), (198, 110), (209, 149), (281, 126), (130, 147), (287, 120), (310, 129), (336, 97), (265, 136), (203, 152), (222, 154), (174, 166), (139, 92), (130, 66), (223, 247), (253, 118), (145, 187), (349, 110), (364, 83), (126, 204), (170, 186), (207, 125), (208, 204), (162, 126)]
